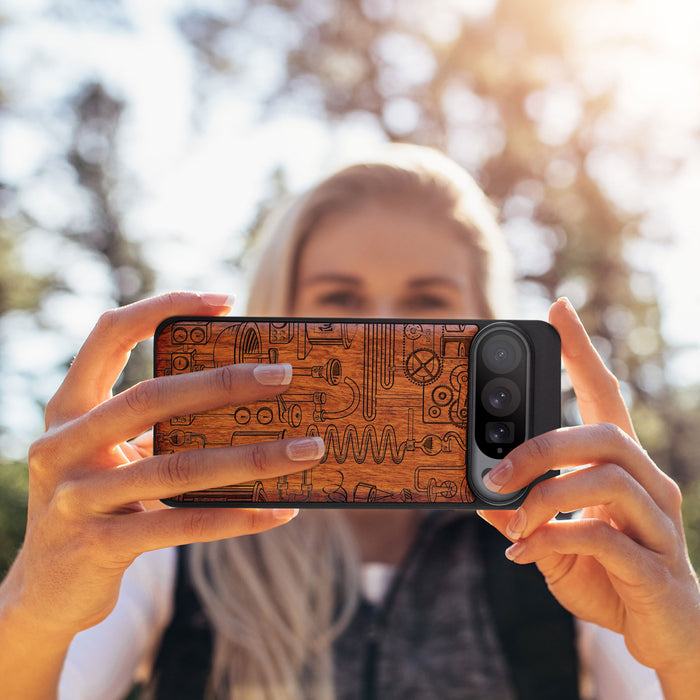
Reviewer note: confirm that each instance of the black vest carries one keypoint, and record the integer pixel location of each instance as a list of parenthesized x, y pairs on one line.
[(534, 634)]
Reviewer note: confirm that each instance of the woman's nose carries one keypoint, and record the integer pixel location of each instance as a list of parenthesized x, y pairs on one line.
[(383, 308)]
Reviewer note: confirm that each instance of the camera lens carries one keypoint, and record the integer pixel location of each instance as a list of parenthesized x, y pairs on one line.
[(499, 432), (502, 353), (500, 396)]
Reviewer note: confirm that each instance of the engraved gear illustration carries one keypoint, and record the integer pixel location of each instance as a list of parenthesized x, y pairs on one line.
[(423, 366)]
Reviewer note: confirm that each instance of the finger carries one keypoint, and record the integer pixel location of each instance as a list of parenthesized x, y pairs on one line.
[(596, 388), (169, 475), (613, 550), (143, 444), (579, 445), (142, 532), (105, 352), (497, 518), (155, 400), (130, 452), (605, 486), (138, 448)]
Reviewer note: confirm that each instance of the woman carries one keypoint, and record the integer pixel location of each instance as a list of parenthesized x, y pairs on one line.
[(623, 566)]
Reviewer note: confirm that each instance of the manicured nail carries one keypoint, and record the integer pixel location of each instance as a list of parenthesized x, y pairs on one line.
[(515, 550), (306, 448), (218, 300), (285, 514), (498, 477), (517, 525), (273, 375), (569, 306)]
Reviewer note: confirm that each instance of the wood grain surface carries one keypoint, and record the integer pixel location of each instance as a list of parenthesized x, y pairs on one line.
[(389, 399)]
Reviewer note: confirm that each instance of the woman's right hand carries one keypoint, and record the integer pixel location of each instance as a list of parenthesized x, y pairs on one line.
[(88, 513)]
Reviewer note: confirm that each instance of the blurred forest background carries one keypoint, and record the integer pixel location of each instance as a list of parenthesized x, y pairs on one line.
[(580, 119)]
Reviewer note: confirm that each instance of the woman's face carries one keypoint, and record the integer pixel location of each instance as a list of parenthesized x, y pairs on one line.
[(385, 261)]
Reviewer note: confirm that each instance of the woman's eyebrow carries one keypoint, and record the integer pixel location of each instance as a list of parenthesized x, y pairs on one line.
[(434, 281), (333, 277)]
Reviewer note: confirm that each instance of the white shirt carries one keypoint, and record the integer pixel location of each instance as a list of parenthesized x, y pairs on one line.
[(104, 661)]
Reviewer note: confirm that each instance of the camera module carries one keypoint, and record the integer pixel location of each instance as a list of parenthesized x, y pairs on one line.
[(504, 360), (499, 398)]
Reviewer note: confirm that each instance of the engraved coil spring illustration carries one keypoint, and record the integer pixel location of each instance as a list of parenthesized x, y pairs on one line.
[(339, 448)]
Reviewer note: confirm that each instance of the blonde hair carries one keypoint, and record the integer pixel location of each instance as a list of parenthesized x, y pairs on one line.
[(277, 600)]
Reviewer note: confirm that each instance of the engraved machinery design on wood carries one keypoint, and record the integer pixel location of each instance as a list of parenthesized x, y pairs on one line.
[(389, 400)]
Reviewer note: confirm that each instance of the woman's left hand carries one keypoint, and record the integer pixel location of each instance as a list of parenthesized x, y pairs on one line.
[(624, 563)]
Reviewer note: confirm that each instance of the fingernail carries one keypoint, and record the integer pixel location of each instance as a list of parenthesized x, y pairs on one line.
[(306, 448), (273, 375), (499, 476), (218, 299), (515, 550), (517, 525), (285, 514), (569, 306)]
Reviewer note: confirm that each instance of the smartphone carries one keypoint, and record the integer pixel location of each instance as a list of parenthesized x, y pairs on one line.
[(413, 413)]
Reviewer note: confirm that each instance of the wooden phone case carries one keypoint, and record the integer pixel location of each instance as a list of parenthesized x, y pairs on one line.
[(389, 398)]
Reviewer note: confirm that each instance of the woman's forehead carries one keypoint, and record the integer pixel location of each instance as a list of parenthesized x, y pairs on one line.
[(383, 237)]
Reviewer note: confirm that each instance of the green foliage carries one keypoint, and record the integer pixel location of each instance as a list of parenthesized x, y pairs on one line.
[(18, 289), (14, 484)]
